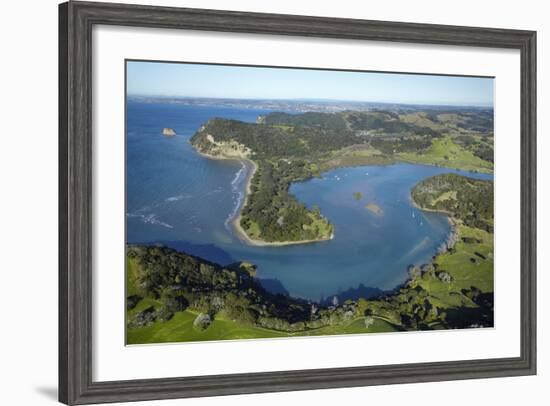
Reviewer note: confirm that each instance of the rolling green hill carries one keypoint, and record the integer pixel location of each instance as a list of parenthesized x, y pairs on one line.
[(173, 297)]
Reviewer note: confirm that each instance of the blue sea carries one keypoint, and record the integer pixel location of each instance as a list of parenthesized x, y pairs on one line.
[(176, 197)]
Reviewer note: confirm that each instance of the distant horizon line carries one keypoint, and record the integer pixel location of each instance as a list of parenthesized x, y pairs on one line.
[(311, 100)]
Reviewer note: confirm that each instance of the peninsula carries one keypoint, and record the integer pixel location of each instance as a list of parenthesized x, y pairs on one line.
[(283, 148)]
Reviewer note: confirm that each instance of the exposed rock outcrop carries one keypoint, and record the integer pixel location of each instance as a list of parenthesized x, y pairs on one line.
[(168, 132)]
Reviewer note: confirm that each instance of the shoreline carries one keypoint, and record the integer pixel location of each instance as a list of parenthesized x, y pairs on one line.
[(453, 236), (397, 161), (482, 171), (240, 233)]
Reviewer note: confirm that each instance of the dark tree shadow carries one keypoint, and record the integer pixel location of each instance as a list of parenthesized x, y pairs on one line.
[(209, 252), (274, 286), (360, 291), (465, 317)]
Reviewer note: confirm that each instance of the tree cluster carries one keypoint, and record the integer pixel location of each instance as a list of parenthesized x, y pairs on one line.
[(469, 200)]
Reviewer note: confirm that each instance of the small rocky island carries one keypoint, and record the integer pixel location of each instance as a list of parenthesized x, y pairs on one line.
[(168, 132)]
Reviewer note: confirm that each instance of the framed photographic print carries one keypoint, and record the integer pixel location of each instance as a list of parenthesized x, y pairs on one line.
[(259, 202)]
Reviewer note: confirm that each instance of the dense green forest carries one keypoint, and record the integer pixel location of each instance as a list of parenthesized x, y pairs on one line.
[(177, 281), (292, 147), (282, 155), (162, 282), (272, 214), (310, 119), (387, 123), (275, 141)]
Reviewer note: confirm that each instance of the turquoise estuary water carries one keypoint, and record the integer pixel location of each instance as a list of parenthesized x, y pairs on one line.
[(180, 199)]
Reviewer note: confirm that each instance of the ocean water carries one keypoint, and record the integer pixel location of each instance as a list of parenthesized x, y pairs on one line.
[(178, 198)]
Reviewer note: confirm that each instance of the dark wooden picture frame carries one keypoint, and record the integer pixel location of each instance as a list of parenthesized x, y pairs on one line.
[(76, 20)]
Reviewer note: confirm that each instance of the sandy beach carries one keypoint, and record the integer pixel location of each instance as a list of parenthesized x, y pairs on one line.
[(236, 222), (243, 236)]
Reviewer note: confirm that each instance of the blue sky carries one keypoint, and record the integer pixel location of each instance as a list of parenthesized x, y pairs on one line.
[(239, 82)]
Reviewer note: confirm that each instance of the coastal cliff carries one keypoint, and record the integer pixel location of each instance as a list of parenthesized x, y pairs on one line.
[(222, 149)]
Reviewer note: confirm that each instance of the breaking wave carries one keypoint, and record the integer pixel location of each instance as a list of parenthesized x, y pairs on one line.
[(150, 218), (238, 193), (178, 197)]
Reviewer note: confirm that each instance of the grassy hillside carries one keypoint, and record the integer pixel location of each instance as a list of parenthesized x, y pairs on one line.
[(180, 329), (168, 292), (466, 199), (463, 276), (446, 152)]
